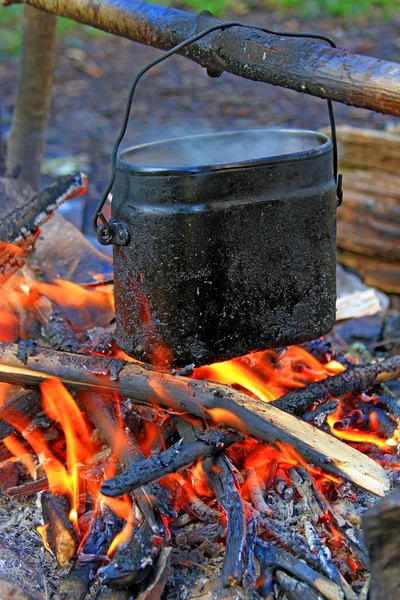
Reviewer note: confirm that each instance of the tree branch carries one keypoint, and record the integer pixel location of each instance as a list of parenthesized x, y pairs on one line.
[(307, 67)]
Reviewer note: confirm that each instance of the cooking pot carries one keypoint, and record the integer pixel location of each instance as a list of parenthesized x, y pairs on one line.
[(229, 244), (222, 243)]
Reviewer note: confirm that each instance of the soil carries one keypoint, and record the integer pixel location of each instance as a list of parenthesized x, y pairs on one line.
[(92, 77)]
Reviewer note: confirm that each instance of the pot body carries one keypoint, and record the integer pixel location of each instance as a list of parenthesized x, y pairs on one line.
[(226, 255)]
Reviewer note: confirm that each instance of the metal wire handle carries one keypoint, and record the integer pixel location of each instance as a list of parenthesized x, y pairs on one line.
[(108, 231)]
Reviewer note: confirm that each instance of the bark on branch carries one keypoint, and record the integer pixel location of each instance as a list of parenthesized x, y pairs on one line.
[(214, 402), (303, 66), (357, 379)]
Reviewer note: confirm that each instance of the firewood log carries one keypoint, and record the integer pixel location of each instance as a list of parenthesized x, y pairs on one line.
[(214, 402)]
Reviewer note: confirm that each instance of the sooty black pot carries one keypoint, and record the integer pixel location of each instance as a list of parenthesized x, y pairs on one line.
[(231, 244)]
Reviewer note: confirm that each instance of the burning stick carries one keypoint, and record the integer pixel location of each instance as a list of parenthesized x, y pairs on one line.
[(287, 562), (353, 380), (212, 401), (223, 485), (176, 457), (104, 526), (20, 229), (128, 453), (294, 589), (60, 533), (26, 403)]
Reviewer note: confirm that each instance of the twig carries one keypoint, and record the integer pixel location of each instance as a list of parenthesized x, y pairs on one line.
[(176, 457), (356, 379), (223, 485)]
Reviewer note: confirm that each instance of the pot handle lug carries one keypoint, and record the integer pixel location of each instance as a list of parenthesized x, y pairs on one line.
[(113, 232)]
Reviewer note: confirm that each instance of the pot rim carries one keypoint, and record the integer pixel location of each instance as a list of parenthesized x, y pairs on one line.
[(323, 148)]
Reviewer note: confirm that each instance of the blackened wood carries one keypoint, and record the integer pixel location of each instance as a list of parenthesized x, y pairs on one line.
[(292, 541), (103, 528), (128, 452), (249, 564), (256, 489), (215, 402), (381, 527), (199, 509), (30, 488), (207, 533), (294, 589), (353, 380), (222, 483), (27, 404), (155, 586), (60, 533), (300, 570), (176, 457), (58, 332), (26, 219), (320, 412), (321, 551), (265, 556), (303, 66), (20, 228), (134, 560)]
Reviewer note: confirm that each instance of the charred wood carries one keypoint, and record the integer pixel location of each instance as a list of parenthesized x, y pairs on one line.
[(321, 551), (265, 556), (104, 527), (128, 452), (207, 533), (294, 589), (30, 488), (201, 398), (257, 492), (176, 457), (292, 565), (223, 485), (249, 565), (353, 380), (320, 412), (60, 533), (58, 332), (201, 511), (292, 541), (27, 404), (134, 560), (21, 226)]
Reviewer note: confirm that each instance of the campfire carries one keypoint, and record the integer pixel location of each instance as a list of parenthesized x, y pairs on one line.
[(230, 479)]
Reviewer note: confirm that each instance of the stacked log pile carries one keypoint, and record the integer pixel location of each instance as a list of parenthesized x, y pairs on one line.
[(369, 219)]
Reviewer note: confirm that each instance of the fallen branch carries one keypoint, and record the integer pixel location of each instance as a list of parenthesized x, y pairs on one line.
[(169, 461), (353, 380), (214, 402)]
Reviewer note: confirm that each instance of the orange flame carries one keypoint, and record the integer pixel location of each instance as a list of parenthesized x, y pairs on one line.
[(354, 435), (268, 374), (41, 529)]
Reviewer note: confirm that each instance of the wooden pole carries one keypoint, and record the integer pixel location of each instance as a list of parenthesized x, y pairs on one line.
[(304, 66)]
